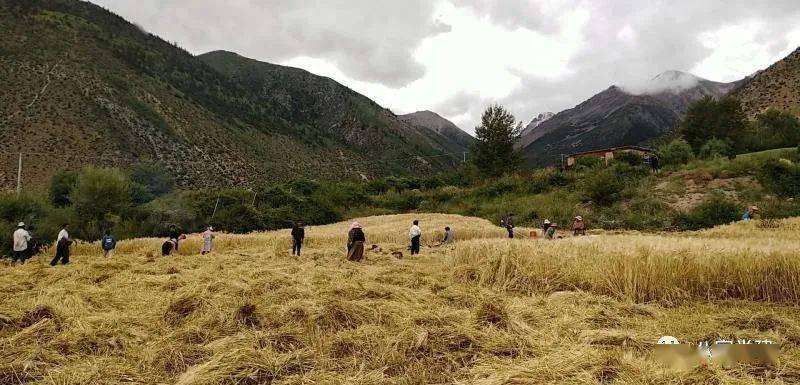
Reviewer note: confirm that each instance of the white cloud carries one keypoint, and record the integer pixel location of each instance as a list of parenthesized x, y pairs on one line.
[(457, 56)]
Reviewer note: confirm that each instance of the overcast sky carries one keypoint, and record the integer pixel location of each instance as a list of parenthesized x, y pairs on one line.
[(456, 56)]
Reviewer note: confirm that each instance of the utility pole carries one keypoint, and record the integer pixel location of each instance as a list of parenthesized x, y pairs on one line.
[(19, 175), (215, 209)]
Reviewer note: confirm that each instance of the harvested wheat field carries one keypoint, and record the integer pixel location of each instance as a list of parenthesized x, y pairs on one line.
[(487, 310)]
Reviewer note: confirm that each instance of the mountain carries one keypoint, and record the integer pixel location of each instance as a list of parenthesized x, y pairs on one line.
[(619, 116), (454, 138), (535, 122), (776, 87), (82, 86)]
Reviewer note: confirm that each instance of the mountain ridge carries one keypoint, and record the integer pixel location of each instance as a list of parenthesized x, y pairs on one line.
[(429, 120), (83, 86), (619, 116)]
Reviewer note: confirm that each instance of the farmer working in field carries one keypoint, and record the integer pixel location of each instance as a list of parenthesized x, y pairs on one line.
[(298, 234), (21, 239), (415, 233), (355, 243), (551, 231), (508, 223), (449, 237), (750, 213), (108, 243), (545, 226), (63, 241), (578, 226), (208, 240), (174, 236)]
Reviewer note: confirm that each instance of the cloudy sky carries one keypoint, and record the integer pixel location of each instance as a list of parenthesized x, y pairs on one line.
[(456, 56)]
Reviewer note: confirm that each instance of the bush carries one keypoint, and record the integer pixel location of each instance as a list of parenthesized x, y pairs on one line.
[(100, 197), (713, 212), (781, 177), (603, 187), (152, 180), (676, 152), (60, 186), (589, 162), (715, 148), (630, 158)]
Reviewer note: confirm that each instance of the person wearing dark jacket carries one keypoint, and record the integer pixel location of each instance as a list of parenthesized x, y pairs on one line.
[(174, 235), (508, 223), (108, 243), (355, 243), (298, 234), (63, 241)]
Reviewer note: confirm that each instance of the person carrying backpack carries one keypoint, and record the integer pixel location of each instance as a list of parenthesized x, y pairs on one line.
[(108, 243)]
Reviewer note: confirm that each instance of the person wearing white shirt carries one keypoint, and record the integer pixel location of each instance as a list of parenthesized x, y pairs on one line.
[(63, 242), (415, 233), (21, 239)]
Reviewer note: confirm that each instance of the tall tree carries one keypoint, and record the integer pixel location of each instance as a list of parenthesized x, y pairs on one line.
[(494, 154), (722, 119)]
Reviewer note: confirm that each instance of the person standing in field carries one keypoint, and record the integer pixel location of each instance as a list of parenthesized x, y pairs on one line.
[(208, 241), (578, 226), (355, 243), (21, 239), (415, 233), (174, 236), (108, 243), (508, 223), (63, 242), (298, 234)]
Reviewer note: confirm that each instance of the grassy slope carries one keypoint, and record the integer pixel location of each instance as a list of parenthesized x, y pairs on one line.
[(646, 204), (487, 311)]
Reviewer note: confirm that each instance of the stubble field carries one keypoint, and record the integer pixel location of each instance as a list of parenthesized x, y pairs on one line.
[(486, 310)]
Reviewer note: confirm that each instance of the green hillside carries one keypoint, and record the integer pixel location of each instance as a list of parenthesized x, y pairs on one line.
[(83, 86)]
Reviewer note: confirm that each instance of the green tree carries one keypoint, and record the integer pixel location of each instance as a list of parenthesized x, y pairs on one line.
[(708, 118), (774, 129), (715, 148), (493, 153), (100, 197), (155, 179), (676, 152), (60, 186)]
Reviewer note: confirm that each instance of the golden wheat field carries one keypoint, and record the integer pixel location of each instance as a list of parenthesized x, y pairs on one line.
[(486, 310)]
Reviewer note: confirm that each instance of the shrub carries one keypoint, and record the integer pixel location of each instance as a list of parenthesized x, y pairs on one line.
[(781, 177), (589, 162), (152, 180), (60, 186), (630, 158), (713, 212), (676, 152), (603, 187), (99, 197), (715, 148)]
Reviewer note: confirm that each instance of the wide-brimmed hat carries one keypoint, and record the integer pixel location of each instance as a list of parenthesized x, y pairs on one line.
[(580, 218), (355, 225), (546, 221), (211, 228), (21, 224)]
